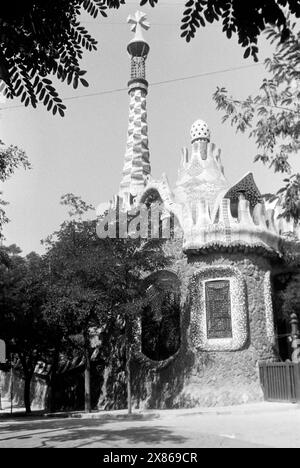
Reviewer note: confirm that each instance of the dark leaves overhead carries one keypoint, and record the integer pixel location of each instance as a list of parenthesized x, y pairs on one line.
[(151, 2), (247, 19), (44, 40)]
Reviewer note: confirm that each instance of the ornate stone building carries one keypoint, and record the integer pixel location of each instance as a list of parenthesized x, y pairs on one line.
[(219, 305)]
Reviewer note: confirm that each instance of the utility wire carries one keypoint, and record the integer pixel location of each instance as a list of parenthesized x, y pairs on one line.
[(200, 75), (157, 83), (123, 23)]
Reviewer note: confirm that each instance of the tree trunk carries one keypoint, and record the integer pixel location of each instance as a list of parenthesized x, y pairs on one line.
[(51, 403), (87, 381), (128, 362), (27, 395), (128, 374)]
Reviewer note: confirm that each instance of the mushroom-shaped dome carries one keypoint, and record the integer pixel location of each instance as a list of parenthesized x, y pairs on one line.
[(200, 131)]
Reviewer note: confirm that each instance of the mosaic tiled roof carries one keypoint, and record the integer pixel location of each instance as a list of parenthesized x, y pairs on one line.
[(248, 188)]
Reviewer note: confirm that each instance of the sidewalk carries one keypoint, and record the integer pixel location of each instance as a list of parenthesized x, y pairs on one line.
[(254, 408), (17, 410), (247, 409), (249, 426)]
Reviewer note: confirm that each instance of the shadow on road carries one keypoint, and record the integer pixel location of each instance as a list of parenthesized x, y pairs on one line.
[(80, 433)]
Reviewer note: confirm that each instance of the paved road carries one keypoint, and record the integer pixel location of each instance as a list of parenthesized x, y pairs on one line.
[(277, 428)]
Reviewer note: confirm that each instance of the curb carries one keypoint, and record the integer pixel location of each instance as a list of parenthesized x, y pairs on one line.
[(104, 415), (149, 415), (265, 408)]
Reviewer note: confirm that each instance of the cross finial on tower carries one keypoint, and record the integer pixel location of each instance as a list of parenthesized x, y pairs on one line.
[(138, 22)]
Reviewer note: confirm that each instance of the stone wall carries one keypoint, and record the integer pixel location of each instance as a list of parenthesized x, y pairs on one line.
[(15, 388), (210, 375)]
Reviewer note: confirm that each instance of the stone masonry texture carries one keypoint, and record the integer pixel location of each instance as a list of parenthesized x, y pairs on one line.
[(193, 377)]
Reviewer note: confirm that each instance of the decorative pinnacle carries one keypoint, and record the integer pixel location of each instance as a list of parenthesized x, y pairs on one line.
[(138, 22), (200, 131)]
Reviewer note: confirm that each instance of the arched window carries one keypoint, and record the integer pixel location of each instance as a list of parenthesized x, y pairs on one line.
[(161, 316)]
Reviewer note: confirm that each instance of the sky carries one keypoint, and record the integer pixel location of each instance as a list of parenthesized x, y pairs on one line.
[(83, 152)]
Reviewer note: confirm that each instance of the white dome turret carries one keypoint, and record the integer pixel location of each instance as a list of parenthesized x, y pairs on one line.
[(200, 131)]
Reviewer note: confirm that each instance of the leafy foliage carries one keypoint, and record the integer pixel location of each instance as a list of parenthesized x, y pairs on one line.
[(272, 117), (22, 294), (78, 299), (246, 19), (291, 299), (41, 41), (151, 2), (95, 286), (289, 196), (77, 205), (3, 218), (11, 158)]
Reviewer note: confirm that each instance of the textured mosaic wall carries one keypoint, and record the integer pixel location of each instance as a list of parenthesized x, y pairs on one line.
[(214, 372), (269, 308)]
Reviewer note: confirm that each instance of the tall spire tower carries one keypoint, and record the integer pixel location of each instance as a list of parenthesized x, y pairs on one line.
[(137, 168)]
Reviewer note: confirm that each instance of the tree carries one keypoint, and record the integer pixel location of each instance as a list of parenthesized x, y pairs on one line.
[(77, 313), (77, 292), (11, 158), (96, 286), (83, 288), (22, 294), (67, 302), (246, 19), (130, 261), (40, 40), (272, 117)]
